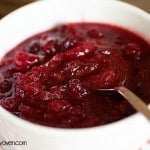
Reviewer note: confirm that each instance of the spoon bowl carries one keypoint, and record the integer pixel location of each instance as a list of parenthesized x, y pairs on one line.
[(137, 103)]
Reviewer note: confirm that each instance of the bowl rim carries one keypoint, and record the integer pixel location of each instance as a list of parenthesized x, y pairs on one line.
[(74, 131)]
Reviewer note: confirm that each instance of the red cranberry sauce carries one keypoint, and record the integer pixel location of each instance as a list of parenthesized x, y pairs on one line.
[(51, 78)]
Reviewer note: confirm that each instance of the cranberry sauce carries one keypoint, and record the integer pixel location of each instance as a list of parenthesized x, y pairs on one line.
[(51, 78)]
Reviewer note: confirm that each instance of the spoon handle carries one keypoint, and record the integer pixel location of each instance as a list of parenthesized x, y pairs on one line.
[(134, 100)]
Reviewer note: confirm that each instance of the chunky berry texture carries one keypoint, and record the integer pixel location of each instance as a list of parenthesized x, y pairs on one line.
[(51, 78)]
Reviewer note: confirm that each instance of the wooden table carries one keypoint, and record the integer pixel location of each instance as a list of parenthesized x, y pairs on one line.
[(143, 4), (7, 6)]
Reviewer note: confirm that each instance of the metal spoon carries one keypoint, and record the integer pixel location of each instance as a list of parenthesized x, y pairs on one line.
[(133, 99)]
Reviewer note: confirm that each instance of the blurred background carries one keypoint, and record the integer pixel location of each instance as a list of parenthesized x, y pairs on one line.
[(6, 6)]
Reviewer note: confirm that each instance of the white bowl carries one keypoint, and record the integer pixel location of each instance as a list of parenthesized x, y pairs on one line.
[(126, 134)]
